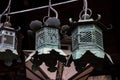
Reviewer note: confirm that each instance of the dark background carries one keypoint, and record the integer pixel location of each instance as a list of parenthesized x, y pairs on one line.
[(109, 10)]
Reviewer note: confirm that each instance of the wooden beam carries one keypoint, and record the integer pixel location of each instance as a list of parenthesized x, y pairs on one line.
[(60, 69), (82, 75), (44, 74), (34, 73)]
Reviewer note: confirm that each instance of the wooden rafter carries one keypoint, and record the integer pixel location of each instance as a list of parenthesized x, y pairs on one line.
[(60, 69), (43, 74), (35, 74), (82, 75)]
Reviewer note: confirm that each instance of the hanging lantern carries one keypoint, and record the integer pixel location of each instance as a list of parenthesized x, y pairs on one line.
[(7, 37), (87, 36), (8, 51), (47, 42)]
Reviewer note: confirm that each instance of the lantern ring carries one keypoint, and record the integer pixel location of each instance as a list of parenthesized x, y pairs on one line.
[(82, 13), (45, 18)]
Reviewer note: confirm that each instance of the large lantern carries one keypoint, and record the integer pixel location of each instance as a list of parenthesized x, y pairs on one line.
[(87, 36), (87, 41)]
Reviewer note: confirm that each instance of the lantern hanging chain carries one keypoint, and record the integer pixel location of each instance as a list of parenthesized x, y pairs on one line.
[(7, 9), (85, 15)]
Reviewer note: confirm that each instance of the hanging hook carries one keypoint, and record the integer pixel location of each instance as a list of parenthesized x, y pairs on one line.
[(50, 8), (7, 9), (84, 13), (53, 9)]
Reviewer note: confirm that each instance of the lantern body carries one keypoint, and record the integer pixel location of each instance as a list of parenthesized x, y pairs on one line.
[(86, 37), (47, 37), (7, 38)]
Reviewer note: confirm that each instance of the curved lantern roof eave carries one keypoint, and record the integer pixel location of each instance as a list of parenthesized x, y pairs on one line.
[(96, 22), (45, 51), (51, 27)]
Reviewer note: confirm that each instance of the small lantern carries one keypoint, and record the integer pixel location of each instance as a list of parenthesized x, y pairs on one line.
[(47, 35), (47, 42), (8, 51), (7, 37)]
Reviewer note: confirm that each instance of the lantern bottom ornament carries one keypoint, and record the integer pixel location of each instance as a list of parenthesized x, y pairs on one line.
[(49, 56), (8, 56), (98, 53), (8, 44), (89, 57)]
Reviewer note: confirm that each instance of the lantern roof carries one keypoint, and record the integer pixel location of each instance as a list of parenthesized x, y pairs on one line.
[(85, 18), (6, 26), (96, 22), (52, 22)]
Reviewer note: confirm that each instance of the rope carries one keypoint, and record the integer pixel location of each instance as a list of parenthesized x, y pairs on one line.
[(7, 9)]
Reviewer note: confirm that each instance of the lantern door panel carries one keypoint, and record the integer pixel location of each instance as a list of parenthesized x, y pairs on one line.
[(7, 39), (40, 39)]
